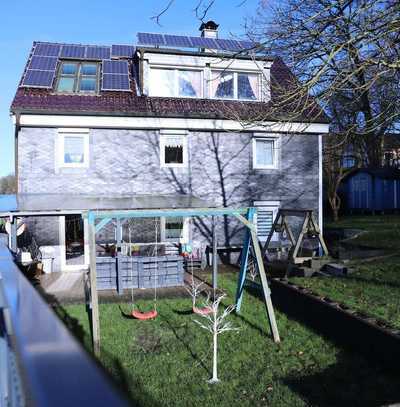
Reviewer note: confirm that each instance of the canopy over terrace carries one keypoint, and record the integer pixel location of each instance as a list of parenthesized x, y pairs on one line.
[(101, 209)]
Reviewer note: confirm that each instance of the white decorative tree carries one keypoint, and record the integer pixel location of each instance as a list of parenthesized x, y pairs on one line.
[(216, 324), (194, 290)]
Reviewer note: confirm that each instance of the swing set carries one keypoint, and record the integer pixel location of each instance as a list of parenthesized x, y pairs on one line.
[(97, 219)]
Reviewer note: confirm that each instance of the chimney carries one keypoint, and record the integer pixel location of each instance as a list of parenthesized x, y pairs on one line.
[(209, 29)]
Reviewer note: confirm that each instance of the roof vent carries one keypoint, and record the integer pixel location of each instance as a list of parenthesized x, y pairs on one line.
[(209, 29)]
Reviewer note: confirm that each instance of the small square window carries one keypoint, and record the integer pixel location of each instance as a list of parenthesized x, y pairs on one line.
[(173, 150), (73, 150), (265, 153), (174, 229)]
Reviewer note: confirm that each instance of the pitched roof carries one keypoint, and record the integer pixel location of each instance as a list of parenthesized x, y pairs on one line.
[(36, 100)]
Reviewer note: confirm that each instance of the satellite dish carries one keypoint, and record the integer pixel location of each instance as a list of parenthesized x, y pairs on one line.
[(20, 227)]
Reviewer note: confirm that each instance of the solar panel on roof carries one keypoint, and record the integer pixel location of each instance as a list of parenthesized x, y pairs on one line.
[(177, 41), (43, 63), (247, 44), (116, 67), (93, 52), (201, 42), (228, 45), (40, 79), (122, 51), (115, 82), (73, 51), (150, 39), (47, 50)]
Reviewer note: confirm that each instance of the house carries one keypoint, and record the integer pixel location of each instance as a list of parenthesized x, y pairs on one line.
[(372, 189), (171, 115)]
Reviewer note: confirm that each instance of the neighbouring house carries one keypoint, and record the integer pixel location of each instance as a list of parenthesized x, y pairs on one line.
[(372, 189), (171, 115)]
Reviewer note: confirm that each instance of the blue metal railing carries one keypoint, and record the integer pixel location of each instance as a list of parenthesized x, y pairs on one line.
[(41, 363)]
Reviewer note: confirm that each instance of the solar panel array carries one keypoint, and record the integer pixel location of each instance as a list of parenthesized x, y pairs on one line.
[(42, 66), (167, 40), (115, 75)]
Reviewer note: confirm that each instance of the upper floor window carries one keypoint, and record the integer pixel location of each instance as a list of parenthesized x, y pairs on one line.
[(173, 150), (265, 153), (235, 85), (73, 149), (175, 82), (78, 77)]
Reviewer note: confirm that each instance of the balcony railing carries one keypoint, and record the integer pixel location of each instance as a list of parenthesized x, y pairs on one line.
[(41, 363)]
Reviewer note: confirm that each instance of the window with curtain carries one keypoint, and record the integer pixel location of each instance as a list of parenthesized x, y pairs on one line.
[(174, 228), (234, 85), (264, 153), (78, 77), (173, 150), (175, 82), (74, 150)]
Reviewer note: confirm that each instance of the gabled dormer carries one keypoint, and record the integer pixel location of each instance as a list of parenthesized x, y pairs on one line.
[(205, 67)]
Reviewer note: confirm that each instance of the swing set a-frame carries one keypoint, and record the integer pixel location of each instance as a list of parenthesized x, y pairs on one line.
[(98, 219)]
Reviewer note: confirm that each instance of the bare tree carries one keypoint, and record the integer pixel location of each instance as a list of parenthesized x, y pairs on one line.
[(216, 324)]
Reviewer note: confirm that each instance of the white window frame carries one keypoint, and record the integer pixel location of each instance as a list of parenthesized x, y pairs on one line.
[(176, 82), (62, 134), (185, 232), (275, 147), (163, 138), (272, 206), (235, 84)]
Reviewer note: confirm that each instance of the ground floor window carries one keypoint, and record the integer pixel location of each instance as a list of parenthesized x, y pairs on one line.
[(173, 150), (174, 229)]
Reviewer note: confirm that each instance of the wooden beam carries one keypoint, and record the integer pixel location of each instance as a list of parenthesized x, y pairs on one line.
[(13, 234), (93, 289), (265, 288), (301, 235), (155, 213), (242, 219), (271, 233), (243, 263), (102, 223)]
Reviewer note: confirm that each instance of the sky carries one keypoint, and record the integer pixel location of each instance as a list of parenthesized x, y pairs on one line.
[(92, 22)]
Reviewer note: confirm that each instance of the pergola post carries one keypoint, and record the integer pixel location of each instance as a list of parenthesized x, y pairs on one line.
[(119, 241), (94, 300)]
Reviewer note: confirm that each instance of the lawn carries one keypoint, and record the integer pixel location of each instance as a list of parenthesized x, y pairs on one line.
[(167, 361), (374, 287)]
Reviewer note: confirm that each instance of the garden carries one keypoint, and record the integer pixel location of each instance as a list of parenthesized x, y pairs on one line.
[(168, 360)]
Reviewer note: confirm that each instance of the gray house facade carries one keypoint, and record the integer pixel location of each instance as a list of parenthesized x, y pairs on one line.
[(152, 120)]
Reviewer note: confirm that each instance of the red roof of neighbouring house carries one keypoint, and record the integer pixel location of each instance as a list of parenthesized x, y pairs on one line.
[(39, 100)]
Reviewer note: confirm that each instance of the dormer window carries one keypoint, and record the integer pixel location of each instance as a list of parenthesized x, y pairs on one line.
[(78, 77), (175, 82), (235, 85)]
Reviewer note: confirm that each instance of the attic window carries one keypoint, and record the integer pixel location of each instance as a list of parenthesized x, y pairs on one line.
[(235, 85), (78, 77), (175, 82)]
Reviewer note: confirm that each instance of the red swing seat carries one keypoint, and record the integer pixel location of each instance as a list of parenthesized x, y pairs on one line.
[(202, 310), (143, 316)]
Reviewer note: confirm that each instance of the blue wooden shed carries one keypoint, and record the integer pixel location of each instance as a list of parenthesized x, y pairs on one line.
[(373, 189)]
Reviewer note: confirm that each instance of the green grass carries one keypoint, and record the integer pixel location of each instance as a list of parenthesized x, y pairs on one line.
[(374, 288), (381, 231), (167, 361)]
